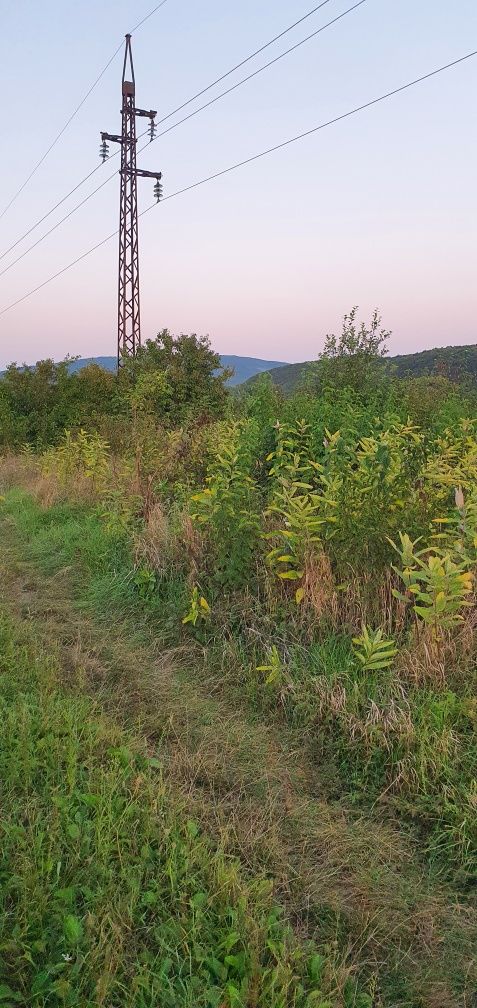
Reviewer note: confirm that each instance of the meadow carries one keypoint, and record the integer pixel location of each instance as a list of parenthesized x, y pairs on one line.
[(240, 758)]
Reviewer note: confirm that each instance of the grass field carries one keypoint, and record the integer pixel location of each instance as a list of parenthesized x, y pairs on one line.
[(239, 693), (172, 806), (111, 893)]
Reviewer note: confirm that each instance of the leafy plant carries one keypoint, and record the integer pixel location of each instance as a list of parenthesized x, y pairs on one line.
[(276, 673), (302, 518), (292, 459), (354, 359), (145, 582), (373, 650), (227, 508), (274, 667), (83, 455), (199, 609), (438, 584)]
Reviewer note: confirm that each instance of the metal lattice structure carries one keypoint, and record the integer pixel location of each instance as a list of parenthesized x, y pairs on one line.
[(129, 315)]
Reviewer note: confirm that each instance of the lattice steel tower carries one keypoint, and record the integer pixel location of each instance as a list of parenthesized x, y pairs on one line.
[(129, 317)]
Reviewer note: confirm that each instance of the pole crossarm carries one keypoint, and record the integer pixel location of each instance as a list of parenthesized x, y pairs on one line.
[(148, 115), (111, 138), (148, 174)]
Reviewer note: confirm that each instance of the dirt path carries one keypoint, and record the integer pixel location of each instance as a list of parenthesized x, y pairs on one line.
[(356, 880)]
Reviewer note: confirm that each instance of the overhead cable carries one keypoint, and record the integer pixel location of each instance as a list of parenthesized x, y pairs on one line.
[(242, 63), (71, 117), (164, 119), (249, 160), (163, 133)]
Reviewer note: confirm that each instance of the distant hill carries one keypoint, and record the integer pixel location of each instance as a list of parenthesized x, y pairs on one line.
[(244, 367), (455, 362), (247, 367), (108, 363)]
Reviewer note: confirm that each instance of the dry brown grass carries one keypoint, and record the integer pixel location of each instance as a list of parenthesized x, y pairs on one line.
[(17, 471), (439, 661), (359, 599), (162, 545), (26, 472), (365, 600), (320, 592), (154, 545), (393, 720)]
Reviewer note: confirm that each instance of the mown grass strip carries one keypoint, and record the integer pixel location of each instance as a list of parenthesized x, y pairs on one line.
[(110, 894)]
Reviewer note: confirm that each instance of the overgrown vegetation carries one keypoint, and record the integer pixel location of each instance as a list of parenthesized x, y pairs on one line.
[(178, 377), (320, 550), (445, 366), (111, 894)]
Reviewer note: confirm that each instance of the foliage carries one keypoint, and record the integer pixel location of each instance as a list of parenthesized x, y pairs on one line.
[(81, 455), (436, 583), (454, 367), (299, 518), (199, 608), (276, 673), (373, 650), (191, 386), (354, 359), (302, 517), (273, 667), (226, 509), (175, 379), (37, 403), (145, 581)]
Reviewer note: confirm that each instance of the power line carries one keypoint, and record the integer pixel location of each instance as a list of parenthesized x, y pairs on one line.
[(53, 208), (58, 135), (259, 70), (168, 130), (249, 160), (146, 17), (316, 129), (59, 273), (244, 61), (55, 226), (70, 120), (164, 119)]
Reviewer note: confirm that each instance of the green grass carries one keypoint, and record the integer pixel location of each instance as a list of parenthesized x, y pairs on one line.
[(73, 537), (110, 894), (437, 765), (355, 884)]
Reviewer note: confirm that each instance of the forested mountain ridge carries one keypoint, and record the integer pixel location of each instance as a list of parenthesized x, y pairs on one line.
[(244, 367), (458, 363)]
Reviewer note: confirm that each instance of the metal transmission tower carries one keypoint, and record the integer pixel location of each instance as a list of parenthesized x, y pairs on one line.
[(129, 319)]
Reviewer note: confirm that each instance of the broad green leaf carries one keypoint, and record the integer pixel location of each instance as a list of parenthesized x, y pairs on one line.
[(316, 966), (73, 929)]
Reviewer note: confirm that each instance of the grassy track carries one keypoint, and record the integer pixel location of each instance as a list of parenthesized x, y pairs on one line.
[(354, 883), (111, 895)]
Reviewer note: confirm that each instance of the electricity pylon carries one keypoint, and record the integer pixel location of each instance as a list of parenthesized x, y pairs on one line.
[(129, 317)]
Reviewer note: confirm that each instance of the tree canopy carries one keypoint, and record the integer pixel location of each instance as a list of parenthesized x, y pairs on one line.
[(174, 379)]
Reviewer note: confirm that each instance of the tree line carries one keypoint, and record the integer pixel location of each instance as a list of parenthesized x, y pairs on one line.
[(179, 381)]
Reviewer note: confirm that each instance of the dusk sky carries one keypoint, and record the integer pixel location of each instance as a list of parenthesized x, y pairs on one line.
[(377, 210)]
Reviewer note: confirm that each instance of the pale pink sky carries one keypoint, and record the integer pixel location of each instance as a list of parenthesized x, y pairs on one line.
[(379, 210)]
